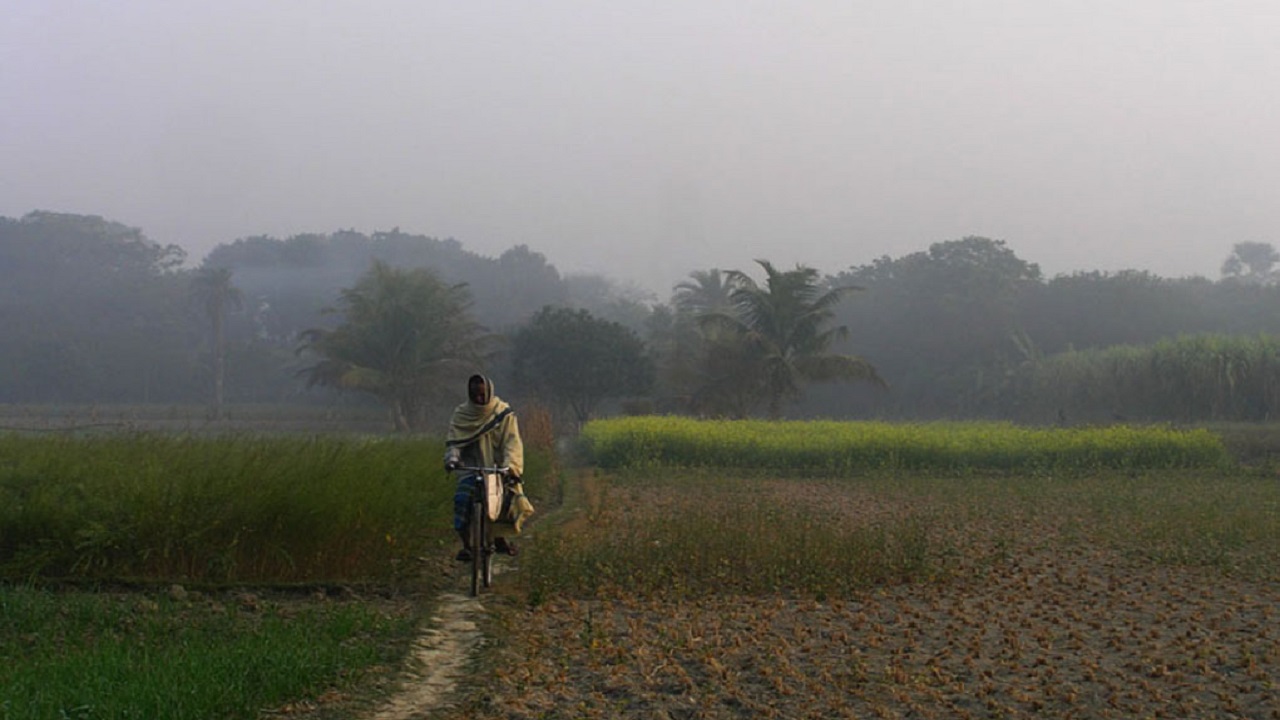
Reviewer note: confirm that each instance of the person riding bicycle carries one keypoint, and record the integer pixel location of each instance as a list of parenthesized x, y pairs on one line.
[(483, 432)]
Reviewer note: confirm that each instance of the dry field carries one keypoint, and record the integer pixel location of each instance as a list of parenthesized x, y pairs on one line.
[(1100, 598)]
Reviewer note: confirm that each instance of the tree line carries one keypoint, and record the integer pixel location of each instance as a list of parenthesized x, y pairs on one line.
[(91, 311), (956, 329)]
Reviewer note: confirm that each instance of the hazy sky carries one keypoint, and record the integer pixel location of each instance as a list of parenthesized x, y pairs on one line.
[(647, 139)]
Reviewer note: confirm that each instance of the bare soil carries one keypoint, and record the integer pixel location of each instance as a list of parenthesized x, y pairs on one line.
[(1024, 626), (1080, 636)]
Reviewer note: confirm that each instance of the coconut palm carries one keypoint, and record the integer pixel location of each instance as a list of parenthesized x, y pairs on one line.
[(783, 323), (705, 292), (680, 345), (406, 337)]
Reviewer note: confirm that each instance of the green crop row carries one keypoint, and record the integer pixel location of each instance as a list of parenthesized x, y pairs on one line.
[(847, 447)]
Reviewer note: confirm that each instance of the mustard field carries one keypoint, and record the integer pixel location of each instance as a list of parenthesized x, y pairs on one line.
[(840, 448)]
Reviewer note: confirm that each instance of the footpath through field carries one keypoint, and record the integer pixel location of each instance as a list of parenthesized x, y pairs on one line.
[(439, 659)]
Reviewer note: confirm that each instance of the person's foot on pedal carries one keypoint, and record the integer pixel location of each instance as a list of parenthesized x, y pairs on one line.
[(504, 547), (464, 555)]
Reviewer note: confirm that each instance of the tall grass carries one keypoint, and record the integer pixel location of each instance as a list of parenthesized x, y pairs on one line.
[(841, 448), (1196, 378), (224, 509)]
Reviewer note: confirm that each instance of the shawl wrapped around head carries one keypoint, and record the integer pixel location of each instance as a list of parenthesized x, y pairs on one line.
[(492, 427)]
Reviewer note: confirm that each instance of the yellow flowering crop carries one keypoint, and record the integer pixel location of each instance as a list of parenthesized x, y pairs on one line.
[(842, 447)]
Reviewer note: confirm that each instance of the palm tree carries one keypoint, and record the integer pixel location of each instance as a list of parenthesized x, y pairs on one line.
[(783, 324), (407, 335), (213, 289), (705, 292), (680, 345)]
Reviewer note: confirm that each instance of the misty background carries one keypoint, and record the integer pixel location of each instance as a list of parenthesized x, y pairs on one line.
[(1056, 211), (94, 313), (643, 142)]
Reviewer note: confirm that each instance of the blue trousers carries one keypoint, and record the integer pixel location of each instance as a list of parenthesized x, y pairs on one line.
[(462, 500)]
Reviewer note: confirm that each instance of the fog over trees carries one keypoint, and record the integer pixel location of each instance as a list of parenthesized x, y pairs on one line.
[(92, 312)]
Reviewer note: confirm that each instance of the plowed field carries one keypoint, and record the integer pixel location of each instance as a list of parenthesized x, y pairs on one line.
[(1053, 603)]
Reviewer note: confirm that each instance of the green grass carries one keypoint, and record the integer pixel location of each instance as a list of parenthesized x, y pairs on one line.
[(103, 655)]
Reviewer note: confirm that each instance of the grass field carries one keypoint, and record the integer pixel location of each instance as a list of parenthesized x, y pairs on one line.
[(664, 589), (149, 575)]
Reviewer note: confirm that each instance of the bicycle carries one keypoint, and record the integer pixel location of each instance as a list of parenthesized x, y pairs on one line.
[(487, 493)]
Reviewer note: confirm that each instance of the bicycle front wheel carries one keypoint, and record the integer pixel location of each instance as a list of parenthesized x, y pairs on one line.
[(489, 552), (479, 558)]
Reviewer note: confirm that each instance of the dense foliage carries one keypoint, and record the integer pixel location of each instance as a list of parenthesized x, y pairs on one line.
[(569, 357), (91, 311), (949, 328)]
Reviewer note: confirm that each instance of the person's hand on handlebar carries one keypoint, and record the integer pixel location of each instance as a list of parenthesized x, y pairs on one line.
[(452, 460)]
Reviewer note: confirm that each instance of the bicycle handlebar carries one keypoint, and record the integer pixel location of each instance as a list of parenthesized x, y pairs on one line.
[(503, 471)]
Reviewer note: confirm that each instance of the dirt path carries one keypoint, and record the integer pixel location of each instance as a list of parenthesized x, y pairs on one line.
[(440, 657), (445, 650)]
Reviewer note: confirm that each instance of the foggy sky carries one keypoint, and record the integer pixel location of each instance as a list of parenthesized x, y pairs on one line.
[(645, 140)]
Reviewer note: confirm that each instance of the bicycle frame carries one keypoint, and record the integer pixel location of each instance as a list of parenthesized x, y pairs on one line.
[(479, 524)]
